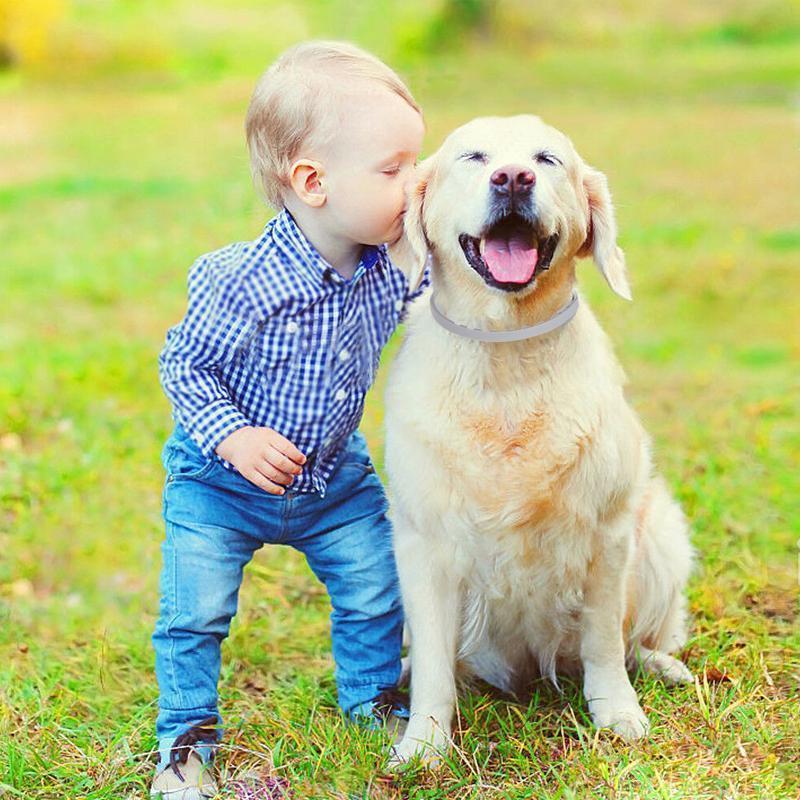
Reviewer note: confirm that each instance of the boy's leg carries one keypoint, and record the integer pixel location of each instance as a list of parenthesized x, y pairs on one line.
[(347, 539), (200, 580), (211, 534)]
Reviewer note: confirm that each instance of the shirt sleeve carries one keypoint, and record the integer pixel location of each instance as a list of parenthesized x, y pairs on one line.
[(218, 321), (423, 285), (410, 296)]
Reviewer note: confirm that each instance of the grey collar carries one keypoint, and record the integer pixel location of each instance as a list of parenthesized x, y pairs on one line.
[(561, 317)]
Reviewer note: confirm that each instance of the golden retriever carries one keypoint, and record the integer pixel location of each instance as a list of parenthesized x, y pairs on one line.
[(532, 535)]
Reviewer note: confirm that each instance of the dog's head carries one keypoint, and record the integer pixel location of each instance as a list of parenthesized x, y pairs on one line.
[(509, 202)]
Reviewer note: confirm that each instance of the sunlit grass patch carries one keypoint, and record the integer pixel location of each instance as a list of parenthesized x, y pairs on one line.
[(114, 183)]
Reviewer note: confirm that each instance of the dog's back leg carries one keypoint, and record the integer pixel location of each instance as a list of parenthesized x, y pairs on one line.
[(663, 665), (662, 566)]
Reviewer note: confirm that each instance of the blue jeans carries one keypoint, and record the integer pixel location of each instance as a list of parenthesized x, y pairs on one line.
[(215, 520)]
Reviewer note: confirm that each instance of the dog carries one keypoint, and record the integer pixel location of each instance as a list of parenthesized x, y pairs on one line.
[(531, 533)]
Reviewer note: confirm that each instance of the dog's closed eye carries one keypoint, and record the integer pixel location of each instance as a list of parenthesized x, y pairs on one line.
[(474, 155), (546, 157)]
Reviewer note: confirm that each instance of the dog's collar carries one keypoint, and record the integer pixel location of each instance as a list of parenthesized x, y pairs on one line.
[(561, 317)]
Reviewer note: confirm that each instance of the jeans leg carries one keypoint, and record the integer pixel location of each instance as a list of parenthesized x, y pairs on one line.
[(200, 580), (348, 545)]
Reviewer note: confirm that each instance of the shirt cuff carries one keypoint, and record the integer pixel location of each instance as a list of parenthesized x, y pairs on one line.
[(214, 423), (424, 283)]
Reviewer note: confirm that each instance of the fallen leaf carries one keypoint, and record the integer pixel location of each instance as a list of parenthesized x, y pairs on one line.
[(774, 603), (715, 675)]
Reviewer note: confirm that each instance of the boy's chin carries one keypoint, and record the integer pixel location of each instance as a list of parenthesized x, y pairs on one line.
[(395, 236), (391, 235), (395, 233)]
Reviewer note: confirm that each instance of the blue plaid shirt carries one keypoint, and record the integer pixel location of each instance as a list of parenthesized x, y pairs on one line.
[(274, 336)]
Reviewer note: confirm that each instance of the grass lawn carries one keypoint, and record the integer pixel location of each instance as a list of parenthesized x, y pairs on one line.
[(110, 186)]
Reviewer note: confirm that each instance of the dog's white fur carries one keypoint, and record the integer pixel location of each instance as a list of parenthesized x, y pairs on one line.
[(530, 528)]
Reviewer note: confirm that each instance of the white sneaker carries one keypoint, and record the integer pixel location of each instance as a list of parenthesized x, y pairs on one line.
[(195, 781)]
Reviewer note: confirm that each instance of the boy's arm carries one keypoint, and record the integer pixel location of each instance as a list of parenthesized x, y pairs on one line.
[(410, 296), (217, 323)]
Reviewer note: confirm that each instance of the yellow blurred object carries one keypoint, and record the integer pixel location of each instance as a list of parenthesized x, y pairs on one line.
[(25, 29)]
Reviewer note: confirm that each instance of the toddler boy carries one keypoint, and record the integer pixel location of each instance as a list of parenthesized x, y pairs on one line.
[(267, 374)]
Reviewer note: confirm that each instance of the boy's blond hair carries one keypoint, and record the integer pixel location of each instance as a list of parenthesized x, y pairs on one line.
[(294, 103)]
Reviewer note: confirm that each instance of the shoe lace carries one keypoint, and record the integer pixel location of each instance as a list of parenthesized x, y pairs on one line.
[(204, 731), (389, 699)]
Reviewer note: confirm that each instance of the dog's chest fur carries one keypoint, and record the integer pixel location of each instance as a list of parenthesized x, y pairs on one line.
[(530, 524), (520, 441), (523, 458)]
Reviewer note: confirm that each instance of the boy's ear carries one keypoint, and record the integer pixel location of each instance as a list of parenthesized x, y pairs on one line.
[(410, 251), (305, 178), (601, 239)]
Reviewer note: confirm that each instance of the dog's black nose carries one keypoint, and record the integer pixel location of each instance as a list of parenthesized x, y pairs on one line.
[(512, 179)]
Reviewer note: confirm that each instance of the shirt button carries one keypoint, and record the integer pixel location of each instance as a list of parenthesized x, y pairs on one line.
[(341, 394), (344, 355), (291, 327), (398, 304)]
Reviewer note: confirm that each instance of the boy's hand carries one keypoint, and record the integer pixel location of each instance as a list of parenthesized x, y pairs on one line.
[(263, 456)]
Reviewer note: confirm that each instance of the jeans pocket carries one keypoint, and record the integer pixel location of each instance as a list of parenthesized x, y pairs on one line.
[(363, 467), (183, 460), (196, 473), (357, 455)]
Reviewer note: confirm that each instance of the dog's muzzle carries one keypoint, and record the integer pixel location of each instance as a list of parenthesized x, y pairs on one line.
[(510, 253)]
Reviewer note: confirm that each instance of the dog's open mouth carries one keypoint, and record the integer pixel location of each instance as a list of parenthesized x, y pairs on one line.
[(510, 254)]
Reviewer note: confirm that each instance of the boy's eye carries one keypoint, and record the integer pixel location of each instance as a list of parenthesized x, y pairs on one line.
[(391, 171)]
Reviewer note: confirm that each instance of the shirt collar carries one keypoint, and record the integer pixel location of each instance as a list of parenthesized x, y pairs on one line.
[(306, 258)]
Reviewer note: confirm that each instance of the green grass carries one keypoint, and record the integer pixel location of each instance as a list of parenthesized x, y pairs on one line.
[(115, 175)]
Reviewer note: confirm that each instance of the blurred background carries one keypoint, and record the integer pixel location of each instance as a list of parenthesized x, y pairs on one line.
[(122, 158)]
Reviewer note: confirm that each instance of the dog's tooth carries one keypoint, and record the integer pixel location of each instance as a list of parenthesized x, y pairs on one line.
[(482, 246)]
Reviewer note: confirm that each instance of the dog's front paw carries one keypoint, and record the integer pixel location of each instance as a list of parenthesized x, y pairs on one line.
[(628, 721), (630, 725), (426, 740), (406, 750), (613, 704)]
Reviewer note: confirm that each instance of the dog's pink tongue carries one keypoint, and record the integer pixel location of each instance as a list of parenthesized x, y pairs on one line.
[(511, 259)]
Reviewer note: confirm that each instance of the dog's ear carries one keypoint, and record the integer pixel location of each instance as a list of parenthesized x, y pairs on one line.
[(601, 239), (410, 251)]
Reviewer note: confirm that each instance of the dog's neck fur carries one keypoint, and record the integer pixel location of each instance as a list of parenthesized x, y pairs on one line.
[(495, 366), (473, 307)]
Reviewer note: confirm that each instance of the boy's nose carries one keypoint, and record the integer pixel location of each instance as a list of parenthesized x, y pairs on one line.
[(411, 179)]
